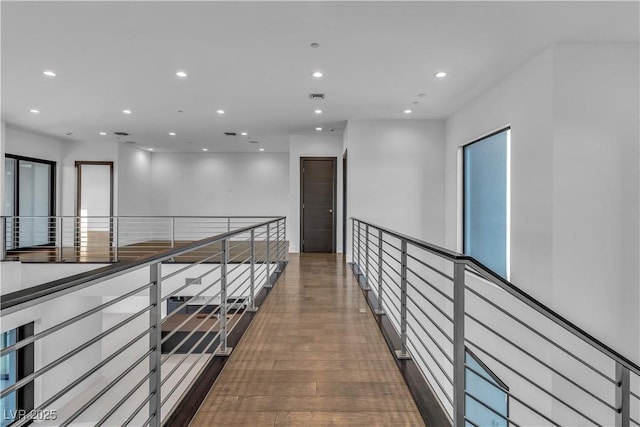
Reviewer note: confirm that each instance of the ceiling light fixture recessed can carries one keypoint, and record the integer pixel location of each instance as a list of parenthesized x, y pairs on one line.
[(49, 73), (181, 74), (127, 111), (318, 111), (262, 149), (103, 133), (318, 128), (440, 74), (34, 111), (244, 133), (220, 111), (317, 74), (150, 149), (172, 134), (205, 149), (407, 111), (315, 45)]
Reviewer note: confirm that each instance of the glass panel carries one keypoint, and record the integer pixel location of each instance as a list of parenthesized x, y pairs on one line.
[(34, 191), (8, 376), (9, 197), (484, 388), (485, 201)]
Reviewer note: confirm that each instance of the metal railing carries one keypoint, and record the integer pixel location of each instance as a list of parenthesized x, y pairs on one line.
[(107, 238), (445, 305), (122, 344)]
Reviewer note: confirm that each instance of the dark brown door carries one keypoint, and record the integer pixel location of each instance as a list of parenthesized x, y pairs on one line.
[(318, 201)]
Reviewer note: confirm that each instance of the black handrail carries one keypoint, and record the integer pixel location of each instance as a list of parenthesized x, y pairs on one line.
[(516, 292), (101, 274)]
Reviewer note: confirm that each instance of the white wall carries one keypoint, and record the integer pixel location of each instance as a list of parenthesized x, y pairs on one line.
[(311, 146), (220, 183), (394, 175), (574, 197), (134, 177)]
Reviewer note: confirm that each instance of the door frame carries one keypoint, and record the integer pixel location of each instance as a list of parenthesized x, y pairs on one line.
[(344, 203), (16, 198), (334, 160), (79, 164), (76, 227)]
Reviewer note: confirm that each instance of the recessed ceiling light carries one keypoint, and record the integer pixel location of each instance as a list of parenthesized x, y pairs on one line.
[(314, 45), (205, 149), (262, 149), (103, 133), (408, 111), (318, 128), (317, 74), (172, 133), (244, 133), (150, 149), (440, 74), (318, 111), (220, 111), (181, 74), (34, 111), (127, 111), (422, 95), (49, 73)]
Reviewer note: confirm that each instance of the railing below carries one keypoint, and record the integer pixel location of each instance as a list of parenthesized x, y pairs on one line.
[(123, 344), (107, 239), (476, 336)]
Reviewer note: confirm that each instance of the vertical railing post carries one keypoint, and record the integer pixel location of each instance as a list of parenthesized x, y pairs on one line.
[(458, 344), (353, 241), (4, 238), (380, 309), (623, 396), (366, 257), (252, 273), (278, 246), (116, 237), (228, 224), (402, 353), (267, 256), (173, 231), (155, 343), (358, 247), (223, 349), (60, 233)]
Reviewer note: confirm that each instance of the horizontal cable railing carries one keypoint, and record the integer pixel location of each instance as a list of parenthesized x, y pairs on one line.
[(107, 238), (448, 309), (122, 345)]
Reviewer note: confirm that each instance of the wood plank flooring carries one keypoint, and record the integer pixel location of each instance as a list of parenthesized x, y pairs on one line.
[(313, 356)]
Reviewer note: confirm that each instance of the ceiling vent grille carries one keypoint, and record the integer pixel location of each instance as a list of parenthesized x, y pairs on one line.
[(317, 96)]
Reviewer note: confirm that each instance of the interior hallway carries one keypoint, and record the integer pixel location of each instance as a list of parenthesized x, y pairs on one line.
[(313, 356)]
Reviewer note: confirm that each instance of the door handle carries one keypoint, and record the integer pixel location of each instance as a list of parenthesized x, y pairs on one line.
[(331, 210)]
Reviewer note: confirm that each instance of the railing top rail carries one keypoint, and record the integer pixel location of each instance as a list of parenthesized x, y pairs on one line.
[(144, 216), (59, 287), (516, 292)]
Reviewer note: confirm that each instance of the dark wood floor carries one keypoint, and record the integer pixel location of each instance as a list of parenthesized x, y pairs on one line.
[(238, 251), (313, 356)]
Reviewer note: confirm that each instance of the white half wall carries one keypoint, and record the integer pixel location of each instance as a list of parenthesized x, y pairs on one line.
[(312, 146)]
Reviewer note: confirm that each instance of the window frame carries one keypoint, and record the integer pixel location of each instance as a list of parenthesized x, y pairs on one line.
[(462, 217)]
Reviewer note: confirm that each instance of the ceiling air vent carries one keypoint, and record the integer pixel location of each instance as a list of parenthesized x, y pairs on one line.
[(230, 133), (316, 96), (121, 133), (253, 142), (130, 142)]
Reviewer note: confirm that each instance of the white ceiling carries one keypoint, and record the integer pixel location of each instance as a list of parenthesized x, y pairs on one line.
[(254, 60)]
